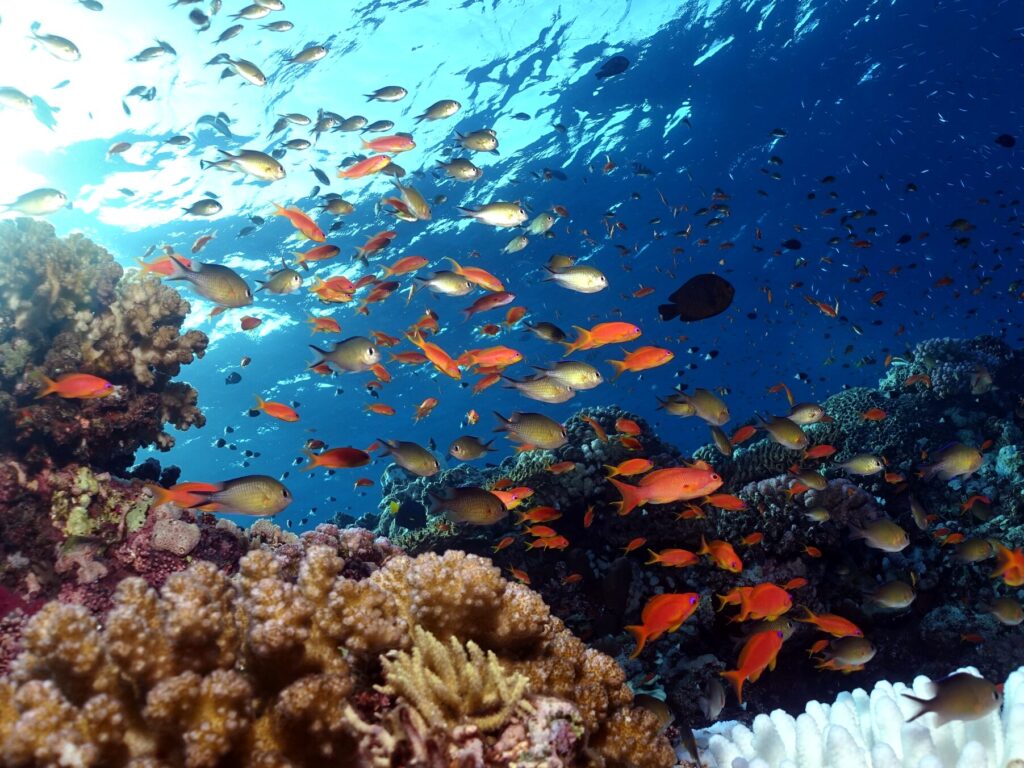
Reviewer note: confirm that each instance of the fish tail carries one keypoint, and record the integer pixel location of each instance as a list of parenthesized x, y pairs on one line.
[(704, 550), (260, 402), (631, 497), (145, 266), (640, 633), (737, 680), (49, 386), (924, 707), (160, 494), (467, 212), (504, 423), (204, 164), (456, 267), (321, 352), (619, 366), (314, 460), (366, 144), (178, 270), (809, 616), (655, 558)]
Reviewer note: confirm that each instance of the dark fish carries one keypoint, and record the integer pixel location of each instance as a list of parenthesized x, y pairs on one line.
[(320, 176), (699, 298), (1005, 140), (904, 239), (520, 116), (616, 65), (233, 378), (792, 244)]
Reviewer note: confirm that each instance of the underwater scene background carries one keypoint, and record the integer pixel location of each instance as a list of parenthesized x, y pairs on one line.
[(794, 228)]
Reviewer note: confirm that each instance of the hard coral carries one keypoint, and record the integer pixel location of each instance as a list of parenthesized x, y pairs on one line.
[(64, 308), (276, 666)]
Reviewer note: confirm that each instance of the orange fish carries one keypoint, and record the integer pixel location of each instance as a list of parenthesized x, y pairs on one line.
[(539, 515), (726, 501), (673, 558), (440, 359), (1009, 565), (759, 653), (423, 409), (588, 516), (752, 539), (551, 542), (541, 531), (598, 429), (636, 543), (830, 311), (641, 359), (795, 583), (764, 601), (472, 417), (873, 414), (743, 434), (572, 578), (922, 378), (723, 555), (381, 409), (409, 358), (337, 458), (663, 613), (629, 467), (319, 253), (664, 486), (367, 167), (505, 542), (627, 426), (377, 243), (405, 265), (477, 276), (200, 243), (323, 324), (492, 357), (562, 467), (362, 482), (600, 335), (520, 575), (487, 381), (819, 452), (76, 386), (381, 373), (514, 315), (812, 551), (966, 506), (490, 329), (184, 495), (305, 225), (163, 265), (277, 410), (631, 443), (401, 142), (834, 625)]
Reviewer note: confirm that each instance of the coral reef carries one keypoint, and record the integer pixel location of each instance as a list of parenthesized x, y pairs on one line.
[(784, 534), (66, 307), (282, 665)]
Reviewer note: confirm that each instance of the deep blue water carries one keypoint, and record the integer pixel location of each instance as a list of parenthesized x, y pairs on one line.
[(878, 95)]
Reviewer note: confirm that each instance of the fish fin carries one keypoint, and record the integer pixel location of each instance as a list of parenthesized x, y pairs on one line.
[(631, 498), (668, 311), (313, 463), (161, 495), (654, 557), (49, 386), (322, 352), (619, 366), (504, 423), (737, 680), (638, 631), (260, 402), (456, 267), (924, 706), (467, 212), (488, 445)]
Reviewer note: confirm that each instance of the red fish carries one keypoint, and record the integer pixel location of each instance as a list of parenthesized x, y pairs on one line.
[(367, 167), (277, 410), (743, 434), (726, 501), (759, 653), (673, 558), (76, 386), (663, 613), (1009, 565), (664, 486), (249, 322), (400, 142), (834, 625), (337, 458), (305, 225), (723, 554)]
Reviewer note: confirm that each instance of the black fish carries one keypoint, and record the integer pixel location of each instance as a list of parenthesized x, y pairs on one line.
[(699, 298), (1005, 140), (320, 176), (616, 65), (904, 239), (792, 244)]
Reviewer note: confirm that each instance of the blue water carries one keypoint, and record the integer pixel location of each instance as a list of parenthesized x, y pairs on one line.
[(880, 95)]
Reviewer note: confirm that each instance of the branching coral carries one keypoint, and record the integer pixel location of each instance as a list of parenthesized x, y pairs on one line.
[(453, 683), (277, 666), (65, 307)]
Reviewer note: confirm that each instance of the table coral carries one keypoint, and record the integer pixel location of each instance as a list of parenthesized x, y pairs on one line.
[(66, 307), (270, 667)]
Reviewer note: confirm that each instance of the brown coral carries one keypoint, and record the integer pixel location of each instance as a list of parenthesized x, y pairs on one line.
[(277, 666), (66, 307)]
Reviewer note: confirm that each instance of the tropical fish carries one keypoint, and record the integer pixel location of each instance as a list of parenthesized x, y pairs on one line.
[(960, 696), (356, 353), (468, 505), (249, 495), (662, 613), (248, 162), (641, 359), (758, 654), (533, 429), (278, 411), (337, 458), (303, 223), (220, 284), (664, 486), (469, 448), (76, 386), (411, 457)]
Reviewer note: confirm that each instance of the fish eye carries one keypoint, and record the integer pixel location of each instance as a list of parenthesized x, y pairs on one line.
[(285, 493)]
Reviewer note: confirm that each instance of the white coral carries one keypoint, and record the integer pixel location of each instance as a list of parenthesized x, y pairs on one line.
[(869, 730)]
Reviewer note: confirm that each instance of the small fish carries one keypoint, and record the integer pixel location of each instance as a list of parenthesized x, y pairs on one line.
[(662, 613), (960, 696), (278, 411), (468, 505), (411, 457), (863, 464), (439, 110), (220, 284), (533, 429), (388, 93), (76, 386), (641, 359), (336, 458), (955, 460), (581, 279), (758, 654), (38, 202), (257, 495), (469, 448), (882, 534), (497, 214), (356, 353), (285, 280)]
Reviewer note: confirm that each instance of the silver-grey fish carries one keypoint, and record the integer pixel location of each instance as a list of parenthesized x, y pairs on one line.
[(354, 354), (411, 457), (38, 202), (204, 207), (469, 448), (285, 280), (220, 284), (249, 162)]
